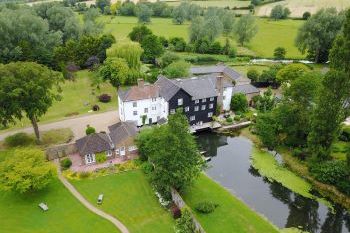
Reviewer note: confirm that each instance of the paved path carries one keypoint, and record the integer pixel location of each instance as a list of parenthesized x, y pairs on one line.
[(99, 121), (88, 205)]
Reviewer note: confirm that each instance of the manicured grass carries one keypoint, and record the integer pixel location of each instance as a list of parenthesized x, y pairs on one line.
[(232, 215), (273, 34), (20, 213), (77, 98), (130, 198)]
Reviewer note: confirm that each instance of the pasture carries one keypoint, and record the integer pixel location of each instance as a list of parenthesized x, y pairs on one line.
[(216, 3)]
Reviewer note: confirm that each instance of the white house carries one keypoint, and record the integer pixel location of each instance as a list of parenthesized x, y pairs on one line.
[(142, 103)]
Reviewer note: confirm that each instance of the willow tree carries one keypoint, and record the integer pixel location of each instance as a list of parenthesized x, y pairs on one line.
[(131, 52), (27, 88)]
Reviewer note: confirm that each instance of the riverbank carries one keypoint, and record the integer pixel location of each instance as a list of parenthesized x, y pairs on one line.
[(300, 168)]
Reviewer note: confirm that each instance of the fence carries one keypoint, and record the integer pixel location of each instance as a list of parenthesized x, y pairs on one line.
[(60, 151), (177, 199)]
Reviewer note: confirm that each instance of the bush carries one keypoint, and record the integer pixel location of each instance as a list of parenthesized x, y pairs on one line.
[(330, 172), (95, 108), (253, 75), (345, 134), (175, 211), (299, 153), (89, 130), (66, 163), (237, 118), (232, 53), (19, 139), (83, 175), (147, 167), (279, 53), (104, 98), (101, 157), (239, 102), (306, 15), (185, 224), (344, 186), (229, 120), (206, 207)]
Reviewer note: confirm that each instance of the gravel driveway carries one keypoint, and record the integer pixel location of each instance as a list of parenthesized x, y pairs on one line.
[(99, 121)]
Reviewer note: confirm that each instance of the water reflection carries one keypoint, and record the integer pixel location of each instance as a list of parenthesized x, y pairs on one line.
[(230, 166)]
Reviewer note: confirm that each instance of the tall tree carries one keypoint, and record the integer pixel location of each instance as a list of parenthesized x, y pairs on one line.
[(317, 34), (115, 71), (27, 88), (103, 5), (131, 52), (245, 29), (180, 13), (152, 48), (139, 32), (143, 13)]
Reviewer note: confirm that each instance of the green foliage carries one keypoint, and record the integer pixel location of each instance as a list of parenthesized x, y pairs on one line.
[(127, 8), (306, 15), (143, 13), (237, 118), (27, 88), (168, 58), (90, 130), (103, 5), (229, 120), (290, 72), (25, 171), (269, 76), (239, 102), (245, 29), (115, 71), (177, 69), (147, 167), (66, 163), (266, 101), (279, 12), (253, 74), (185, 223), (317, 34), (267, 129), (138, 33), (101, 157), (330, 172), (152, 48), (279, 53), (177, 44), (19, 139), (206, 207), (131, 52)]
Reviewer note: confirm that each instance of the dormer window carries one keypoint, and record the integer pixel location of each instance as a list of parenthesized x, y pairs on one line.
[(211, 98), (204, 100)]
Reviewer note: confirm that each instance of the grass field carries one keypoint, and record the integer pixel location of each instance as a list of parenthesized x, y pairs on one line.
[(271, 34), (77, 98), (231, 213), (128, 196), (21, 213), (216, 3), (298, 7)]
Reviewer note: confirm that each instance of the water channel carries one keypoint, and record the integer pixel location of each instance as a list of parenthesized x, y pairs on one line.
[(230, 166)]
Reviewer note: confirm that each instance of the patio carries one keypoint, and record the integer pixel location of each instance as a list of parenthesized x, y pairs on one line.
[(79, 166)]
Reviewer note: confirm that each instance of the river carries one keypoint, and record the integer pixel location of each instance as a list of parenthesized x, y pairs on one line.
[(230, 166)]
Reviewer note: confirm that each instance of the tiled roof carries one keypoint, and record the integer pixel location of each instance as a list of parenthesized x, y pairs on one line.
[(245, 89), (146, 91), (198, 88), (94, 143), (217, 69), (122, 130)]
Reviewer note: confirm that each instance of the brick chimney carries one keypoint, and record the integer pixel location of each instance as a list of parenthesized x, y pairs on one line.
[(140, 83), (220, 90)]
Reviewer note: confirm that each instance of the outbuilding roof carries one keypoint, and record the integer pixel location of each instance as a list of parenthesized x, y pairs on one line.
[(217, 69), (122, 130), (245, 89), (94, 143)]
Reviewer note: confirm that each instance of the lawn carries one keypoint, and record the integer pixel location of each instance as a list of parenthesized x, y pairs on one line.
[(20, 213), (231, 213), (298, 7), (216, 3), (271, 34), (129, 197), (77, 98)]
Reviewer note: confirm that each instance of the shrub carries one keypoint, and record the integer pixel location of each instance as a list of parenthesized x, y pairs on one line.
[(206, 207), (185, 223), (90, 130), (237, 118), (66, 163), (344, 186), (104, 98), (330, 171), (19, 139), (101, 157), (147, 167), (229, 120), (232, 53), (83, 175), (95, 108), (239, 102), (175, 211), (253, 75), (345, 134), (306, 15), (279, 53)]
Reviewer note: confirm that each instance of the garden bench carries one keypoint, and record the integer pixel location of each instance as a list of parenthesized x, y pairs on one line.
[(100, 199), (43, 206)]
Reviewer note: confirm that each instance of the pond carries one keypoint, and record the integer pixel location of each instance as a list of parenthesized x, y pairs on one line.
[(230, 166)]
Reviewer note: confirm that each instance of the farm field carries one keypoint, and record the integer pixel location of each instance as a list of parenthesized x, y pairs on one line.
[(215, 3), (298, 7), (128, 196), (77, 98), (271, 34), (66, 214), (231, 212)]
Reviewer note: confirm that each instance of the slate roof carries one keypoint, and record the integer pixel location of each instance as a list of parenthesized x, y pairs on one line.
[(167, 88), (94, 143), (122, 130), (245, 89), (146, 91), (217, 69), (213, 79)]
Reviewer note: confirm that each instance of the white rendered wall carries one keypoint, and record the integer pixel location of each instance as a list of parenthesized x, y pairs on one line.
[(227, 100)]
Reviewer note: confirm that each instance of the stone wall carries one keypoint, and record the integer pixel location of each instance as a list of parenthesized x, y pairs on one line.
[(177, 199), (61, 151)]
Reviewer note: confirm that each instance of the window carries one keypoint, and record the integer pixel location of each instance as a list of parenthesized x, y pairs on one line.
[(196, 108), (117, 151), (109, 153), (196, 101), (211, 106), (146, 110), (192, 118), (210, 114), (203, 107), (132, 148), (187, 109), (154, 99), (134, 104), (180, 101), (89, 158), (204, 100), (172, 111), (211, 98), (154, 108), (135, 113)]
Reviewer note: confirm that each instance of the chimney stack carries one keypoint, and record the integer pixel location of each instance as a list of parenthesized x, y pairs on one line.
[(140, 83)]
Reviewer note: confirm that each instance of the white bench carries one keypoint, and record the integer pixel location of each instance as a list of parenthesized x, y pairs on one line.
[(100, 199), (43, 206)]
